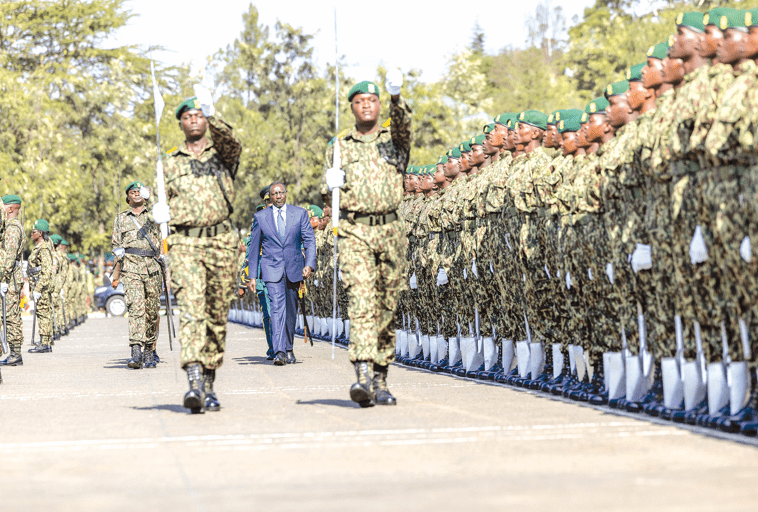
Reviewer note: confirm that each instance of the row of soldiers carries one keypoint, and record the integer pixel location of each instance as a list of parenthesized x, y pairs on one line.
[(623, 228), (57, 282)]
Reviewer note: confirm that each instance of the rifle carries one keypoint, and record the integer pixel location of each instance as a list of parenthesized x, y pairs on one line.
[(34, 318), (301, 294), (336, 163), (5, 329)]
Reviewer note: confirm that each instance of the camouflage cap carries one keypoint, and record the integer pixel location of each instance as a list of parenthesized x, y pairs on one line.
[(569, 124), (488, 128), (42, 225), (597, 106), (453, 153), (478, 140), (505, 117), (364, 87), (11, 199), (465, 146), (751, 17), (691, 20), (658, 51), (188, 104), (733, 19), (634, 74), (533, 118), (616, 88)]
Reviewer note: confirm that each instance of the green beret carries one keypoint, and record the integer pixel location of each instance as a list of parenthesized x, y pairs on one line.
[(733, 18), (634, 74), (64, 242), (56, 239), (364, 87), (72, 257), (503, 118), (691, 20), (442, 160), (597, 106), (453, 153), (260, 207), (314, 211), (567, 112), (264, 191), (713, 17), (188, 104), (432, 169), (616, 88), (511, 124), (658, 51), (478, 140), (488, 128), (751, 17), (133, 184), (11, 199), (533, 118), (465, 147), (569, 124), (42, 225)]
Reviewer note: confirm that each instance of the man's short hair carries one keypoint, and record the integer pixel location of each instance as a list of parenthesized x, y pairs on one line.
[(277, 183)]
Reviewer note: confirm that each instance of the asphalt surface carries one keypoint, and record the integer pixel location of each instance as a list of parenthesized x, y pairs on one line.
[(79, 431)]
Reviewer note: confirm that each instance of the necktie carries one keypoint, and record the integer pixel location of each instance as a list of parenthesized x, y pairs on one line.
[(280, 225)]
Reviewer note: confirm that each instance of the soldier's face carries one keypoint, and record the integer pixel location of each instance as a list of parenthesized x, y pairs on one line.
[(366, 108), (314, 222), (36, 234), (685, 44), (489, 148), (635, 95), (413, 183), (651, 74), (597, 127), (464, 165), (526, 134), (278, 195), (672, 71), (509, 142), (135, 199), (477, 155), (451, 168), (426, 183), (568, 143), (439, 176), (751, 44), (322, 222), (498, 135), (732, 49), (581, 136), (709, 41), (406, 180), (618, 111), (193, 124), (551, 136)]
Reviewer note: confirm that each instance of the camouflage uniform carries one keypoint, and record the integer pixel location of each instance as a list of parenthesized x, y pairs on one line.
[(371, 257), (141, 275), (41, 274), (11, 272), (60, 283), (200, 193)]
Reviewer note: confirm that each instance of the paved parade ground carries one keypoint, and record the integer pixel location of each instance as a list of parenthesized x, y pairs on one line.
[(82, 432)]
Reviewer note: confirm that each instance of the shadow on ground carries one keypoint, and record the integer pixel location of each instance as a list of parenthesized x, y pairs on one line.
[(164, 407), (333, 402)]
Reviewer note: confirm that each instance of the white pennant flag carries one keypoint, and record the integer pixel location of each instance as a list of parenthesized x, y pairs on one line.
[(159, 103)]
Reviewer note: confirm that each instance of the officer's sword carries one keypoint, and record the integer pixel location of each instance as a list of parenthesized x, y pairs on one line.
[(336, 164)]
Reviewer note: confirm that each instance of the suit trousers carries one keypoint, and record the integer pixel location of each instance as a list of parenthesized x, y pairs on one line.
[(282, 296)]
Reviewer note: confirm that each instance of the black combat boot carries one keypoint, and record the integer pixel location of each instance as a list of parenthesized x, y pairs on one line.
[(361, 391), (155, 357), (211, 401), (13, 359), (381, 393), (148, 358), (194, 400), (42, 347), (136, 361)]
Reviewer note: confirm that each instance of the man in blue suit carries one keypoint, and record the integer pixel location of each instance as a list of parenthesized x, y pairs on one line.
[(277, 239)]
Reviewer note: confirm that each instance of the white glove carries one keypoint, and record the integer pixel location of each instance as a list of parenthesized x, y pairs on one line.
[(568, 280), (119, 252), (474, 270), (589, 273), (412, 282), (641, 258), (609, 272), (442, 277), (63, 295), (144, 193), (492, 269), (36, 296), (465, 274), (745, 250), (393, 81), (698, 250), (547, 271), (3, 289), (161, 213), (335, 178), (205, 99)]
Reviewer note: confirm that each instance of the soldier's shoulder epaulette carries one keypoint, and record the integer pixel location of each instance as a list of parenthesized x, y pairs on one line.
[(343, 133), (170, 152), (387, 123)]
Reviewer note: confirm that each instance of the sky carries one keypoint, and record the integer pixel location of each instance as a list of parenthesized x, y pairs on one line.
[(406, 34)]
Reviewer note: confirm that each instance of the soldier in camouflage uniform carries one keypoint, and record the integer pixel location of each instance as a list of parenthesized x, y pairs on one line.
[(371, 239), (60, 282), (12, 278), (199, 180), (135, 241), (40, 273)]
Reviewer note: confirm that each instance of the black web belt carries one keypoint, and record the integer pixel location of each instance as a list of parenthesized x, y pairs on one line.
[(145, 253), (206, 232), (370, 219)]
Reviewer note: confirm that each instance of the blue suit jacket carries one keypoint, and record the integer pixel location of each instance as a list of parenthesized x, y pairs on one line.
[(279, 257)]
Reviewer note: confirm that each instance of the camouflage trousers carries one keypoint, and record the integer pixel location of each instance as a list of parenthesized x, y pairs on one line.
[(13, 321), (143, 301), (572, 267), (373, 264), (488, 260), (44, 312), (203, 277), (509, 276)]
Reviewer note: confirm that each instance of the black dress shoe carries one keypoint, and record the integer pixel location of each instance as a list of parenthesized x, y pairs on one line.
[(270, 357), (40, 349), (211, 400), (279, 359), (13, 359), (291, 357)]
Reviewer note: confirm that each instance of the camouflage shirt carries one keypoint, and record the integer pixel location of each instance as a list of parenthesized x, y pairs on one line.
[(126, 234), (373, 164), (721, 78), (42, 256), (200, 189), (14, 240)]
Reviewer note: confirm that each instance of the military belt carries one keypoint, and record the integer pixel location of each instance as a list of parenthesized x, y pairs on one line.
[(206, 232), (370, 219), (33, 271), (145, 253)]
